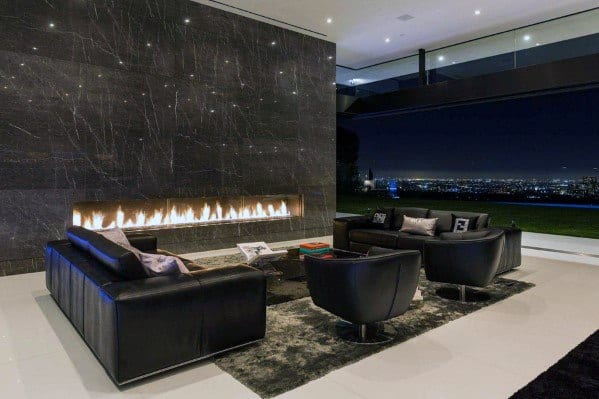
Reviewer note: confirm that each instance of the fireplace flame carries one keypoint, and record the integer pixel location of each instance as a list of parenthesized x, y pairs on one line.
[(98, 220)]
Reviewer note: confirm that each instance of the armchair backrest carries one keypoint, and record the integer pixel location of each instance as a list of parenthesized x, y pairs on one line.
[(367, 289)]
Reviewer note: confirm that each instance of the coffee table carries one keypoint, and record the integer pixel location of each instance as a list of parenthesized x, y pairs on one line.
[(291, 266)]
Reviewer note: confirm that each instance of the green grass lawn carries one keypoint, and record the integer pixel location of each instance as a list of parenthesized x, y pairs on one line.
[(563, 221)]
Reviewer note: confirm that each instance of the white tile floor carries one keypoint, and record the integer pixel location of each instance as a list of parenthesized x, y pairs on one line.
[(487, 354)]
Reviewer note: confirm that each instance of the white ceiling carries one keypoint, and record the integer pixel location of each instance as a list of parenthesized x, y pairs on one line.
[(360, 27)]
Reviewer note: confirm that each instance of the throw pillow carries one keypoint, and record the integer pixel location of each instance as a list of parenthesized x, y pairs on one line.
[(116, 235), (420, 226), (162, 265), (462, 224), (381, 218)]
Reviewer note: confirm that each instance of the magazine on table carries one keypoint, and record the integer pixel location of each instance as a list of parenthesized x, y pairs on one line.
[(258, 253)]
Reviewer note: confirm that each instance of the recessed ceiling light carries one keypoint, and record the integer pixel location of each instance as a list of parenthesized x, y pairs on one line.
[(526, 38), (537, 44), (405, 17), (330, 57), (441, 58), (34, 48), (329, 20), (149, 44), (476, 12), (51, 25), (187, 20), (273, 43), (387, 40)]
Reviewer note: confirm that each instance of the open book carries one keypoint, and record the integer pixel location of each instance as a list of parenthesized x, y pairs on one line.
[(258, 253)]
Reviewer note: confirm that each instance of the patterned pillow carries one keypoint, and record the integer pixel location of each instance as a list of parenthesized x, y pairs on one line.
[(461, 224), (162, 265), (381, 218)]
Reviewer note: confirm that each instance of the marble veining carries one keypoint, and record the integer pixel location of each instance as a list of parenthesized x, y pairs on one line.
[(134, 99)]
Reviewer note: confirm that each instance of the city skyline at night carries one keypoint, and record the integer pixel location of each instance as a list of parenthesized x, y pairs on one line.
[(553, 136)]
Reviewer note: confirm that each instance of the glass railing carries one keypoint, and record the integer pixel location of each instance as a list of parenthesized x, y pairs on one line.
[(563, 38)]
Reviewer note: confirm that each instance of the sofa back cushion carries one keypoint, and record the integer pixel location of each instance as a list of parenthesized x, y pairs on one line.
[(445, 219), (117, 259), (80, 237), (399, 213)]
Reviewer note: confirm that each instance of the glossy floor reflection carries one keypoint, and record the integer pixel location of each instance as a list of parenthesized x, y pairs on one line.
[(490, 353)]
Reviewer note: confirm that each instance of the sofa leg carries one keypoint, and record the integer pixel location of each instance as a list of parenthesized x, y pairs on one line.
[(362, 329), (462, 293), (366, 334)]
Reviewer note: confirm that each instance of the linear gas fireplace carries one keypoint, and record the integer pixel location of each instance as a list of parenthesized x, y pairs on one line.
[(184, 212)]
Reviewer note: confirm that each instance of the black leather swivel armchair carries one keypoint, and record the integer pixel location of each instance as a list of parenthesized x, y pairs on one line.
[(365, 291), (472, 262)]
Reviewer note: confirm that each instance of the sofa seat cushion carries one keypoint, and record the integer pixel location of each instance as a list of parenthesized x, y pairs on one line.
[(380, 238), (467, 235), (413, 241)]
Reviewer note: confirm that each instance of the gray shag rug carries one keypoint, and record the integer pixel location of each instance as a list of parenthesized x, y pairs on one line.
[(301, 344)]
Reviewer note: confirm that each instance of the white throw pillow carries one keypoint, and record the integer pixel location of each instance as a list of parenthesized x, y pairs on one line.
[(116, 235), (421, 226), (162, 265)]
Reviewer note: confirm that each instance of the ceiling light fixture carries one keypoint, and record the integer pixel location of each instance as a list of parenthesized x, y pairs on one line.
[(187, 20), (526, 38), (441, 58), (387, 40), (329, 20), (51, 25), (476, 12)]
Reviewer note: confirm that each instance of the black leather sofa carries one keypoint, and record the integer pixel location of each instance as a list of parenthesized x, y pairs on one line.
[(356, 233), (138, 325)]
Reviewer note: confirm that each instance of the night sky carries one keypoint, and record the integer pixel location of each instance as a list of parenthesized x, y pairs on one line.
[(549, 136)]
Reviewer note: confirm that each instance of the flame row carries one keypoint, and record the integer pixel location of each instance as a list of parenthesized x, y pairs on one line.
[(98, 219)]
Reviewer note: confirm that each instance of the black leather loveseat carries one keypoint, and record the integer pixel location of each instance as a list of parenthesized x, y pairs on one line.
[(356, 233), (138, 325)]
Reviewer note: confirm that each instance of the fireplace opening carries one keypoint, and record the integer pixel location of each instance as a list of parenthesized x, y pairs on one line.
[(181, 212)]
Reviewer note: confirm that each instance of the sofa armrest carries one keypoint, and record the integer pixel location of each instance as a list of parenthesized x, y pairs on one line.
[(342, 227), (157, 324), (512, 254), (234, 303), (143, 242)]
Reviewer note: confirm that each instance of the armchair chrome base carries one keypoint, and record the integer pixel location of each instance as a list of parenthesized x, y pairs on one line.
[(463, 294), (366, 334)]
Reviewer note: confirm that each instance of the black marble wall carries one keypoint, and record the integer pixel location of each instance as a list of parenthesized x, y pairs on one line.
[(132, 99)]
